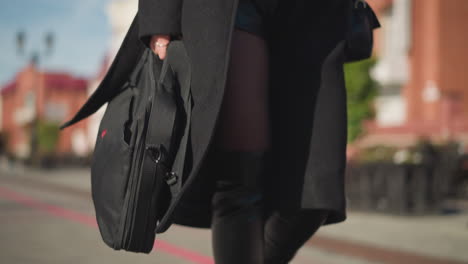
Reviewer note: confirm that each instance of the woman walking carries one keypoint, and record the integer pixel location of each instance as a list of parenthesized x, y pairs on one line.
[(268, 134)]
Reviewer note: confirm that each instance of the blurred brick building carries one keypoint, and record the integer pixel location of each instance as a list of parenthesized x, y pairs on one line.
[(421, 69), (57, 96), (49, 96)]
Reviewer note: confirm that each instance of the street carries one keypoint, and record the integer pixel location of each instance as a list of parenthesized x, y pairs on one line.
[(48, 217)]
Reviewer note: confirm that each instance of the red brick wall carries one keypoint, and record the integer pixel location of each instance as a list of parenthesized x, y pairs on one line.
[(13, 99), (424, 58), (438, 53), (454, 55), (74, 99)]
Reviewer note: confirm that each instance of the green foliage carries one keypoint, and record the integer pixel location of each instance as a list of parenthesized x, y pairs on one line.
[(47, 136), (377, 153), (423, 151), (361, 91)]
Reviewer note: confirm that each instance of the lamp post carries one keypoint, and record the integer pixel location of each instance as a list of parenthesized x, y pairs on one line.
[(31, 101), (49, 42)]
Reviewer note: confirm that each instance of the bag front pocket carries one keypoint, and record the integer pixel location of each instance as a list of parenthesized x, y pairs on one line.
[(111, 163)]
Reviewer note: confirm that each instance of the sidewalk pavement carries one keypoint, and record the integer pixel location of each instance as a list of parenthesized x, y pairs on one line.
[(362, 238), (440, 236)]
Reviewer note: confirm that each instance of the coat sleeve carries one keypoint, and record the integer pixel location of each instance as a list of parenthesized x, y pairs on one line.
[(158, 17)]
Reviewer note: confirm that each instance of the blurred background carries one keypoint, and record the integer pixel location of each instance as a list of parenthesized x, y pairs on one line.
[(407, 173)]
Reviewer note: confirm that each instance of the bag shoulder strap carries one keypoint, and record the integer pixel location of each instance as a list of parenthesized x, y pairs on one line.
[(163, 112), (179, 63), (181, 66)]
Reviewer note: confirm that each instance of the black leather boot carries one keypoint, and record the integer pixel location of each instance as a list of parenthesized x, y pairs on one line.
[(237, 223), (287, 232)]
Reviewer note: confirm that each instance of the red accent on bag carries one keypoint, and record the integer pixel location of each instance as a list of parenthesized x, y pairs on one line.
[(103, 133)]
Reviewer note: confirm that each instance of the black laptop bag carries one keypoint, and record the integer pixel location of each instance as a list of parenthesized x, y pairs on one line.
[(140, 149)]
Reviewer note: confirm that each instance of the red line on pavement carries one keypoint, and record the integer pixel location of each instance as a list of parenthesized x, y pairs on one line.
[(87, 220), (50, 209)]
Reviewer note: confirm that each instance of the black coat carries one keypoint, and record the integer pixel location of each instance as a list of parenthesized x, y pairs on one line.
[(308, 97)]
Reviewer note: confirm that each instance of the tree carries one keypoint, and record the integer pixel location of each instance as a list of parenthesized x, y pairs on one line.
[(361, 91), (48, 136)]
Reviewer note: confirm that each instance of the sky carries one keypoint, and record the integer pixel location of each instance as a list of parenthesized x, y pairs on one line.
[(81, 28)]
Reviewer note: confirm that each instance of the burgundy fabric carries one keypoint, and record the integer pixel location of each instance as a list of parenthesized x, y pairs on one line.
[(244, 119)]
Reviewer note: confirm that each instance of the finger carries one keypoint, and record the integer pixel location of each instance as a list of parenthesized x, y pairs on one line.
[(162, 52)]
